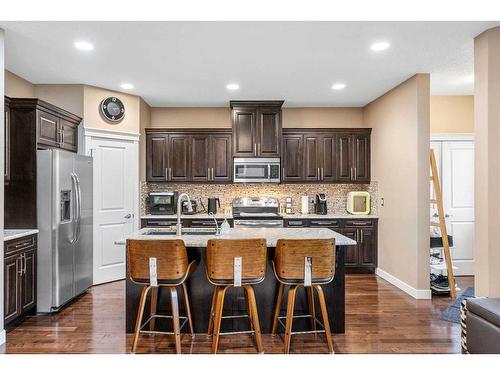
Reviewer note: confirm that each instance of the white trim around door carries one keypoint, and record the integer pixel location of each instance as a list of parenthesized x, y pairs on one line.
[(116, 199)]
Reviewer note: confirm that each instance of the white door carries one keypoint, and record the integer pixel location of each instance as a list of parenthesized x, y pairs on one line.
[(458, 200), (115, 197)]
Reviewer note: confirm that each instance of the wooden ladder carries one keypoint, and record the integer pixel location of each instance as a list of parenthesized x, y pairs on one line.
[(441, 224)]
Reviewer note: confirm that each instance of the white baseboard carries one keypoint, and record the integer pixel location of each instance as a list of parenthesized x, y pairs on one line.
[(415, 293), (2, 336)]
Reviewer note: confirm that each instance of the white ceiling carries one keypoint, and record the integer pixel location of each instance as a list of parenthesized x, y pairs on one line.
[(190, 63)]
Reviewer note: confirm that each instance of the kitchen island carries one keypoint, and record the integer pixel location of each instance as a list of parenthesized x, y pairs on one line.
[(200, 290)]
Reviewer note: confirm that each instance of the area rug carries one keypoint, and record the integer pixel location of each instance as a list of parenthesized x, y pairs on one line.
[(452, 312)]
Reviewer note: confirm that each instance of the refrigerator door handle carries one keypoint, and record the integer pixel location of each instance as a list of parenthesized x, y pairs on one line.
[(76, 210), (79, 195)]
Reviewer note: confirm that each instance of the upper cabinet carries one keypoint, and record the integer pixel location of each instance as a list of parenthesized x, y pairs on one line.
[(52, 126), (326, 155), (256, 128), (188, 155)]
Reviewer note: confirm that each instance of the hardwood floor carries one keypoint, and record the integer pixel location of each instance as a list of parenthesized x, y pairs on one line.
[(379, 319)]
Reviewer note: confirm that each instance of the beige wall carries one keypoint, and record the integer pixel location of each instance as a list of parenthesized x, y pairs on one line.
[(452, 114), (190, 117), (92, 118), (17, 87), (319, 117), (144, 122), (68, 97), (400, 164), (487, 162)]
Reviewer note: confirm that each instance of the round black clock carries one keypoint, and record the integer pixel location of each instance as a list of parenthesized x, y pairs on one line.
[(113, 109)]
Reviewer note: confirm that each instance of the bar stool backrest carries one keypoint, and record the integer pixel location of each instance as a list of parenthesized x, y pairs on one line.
[(220, 260), (171, 260), (290, 257)]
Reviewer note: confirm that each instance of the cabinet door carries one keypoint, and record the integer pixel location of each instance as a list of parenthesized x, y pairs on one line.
[(328, 156), (344, 158), (47, 129), (28, 281), (244, 132), (361, 146), (156, 157), (292, 157), (352, 252), (200, 162), (69, 136), (367, 247), (269, 132), (178, 152), (221, 160), (12, 288), (311, 157), (6, 118)]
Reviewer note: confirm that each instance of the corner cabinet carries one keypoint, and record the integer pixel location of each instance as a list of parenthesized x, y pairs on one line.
[(188, 155), (256, 128), (326, 155), (19, 278)]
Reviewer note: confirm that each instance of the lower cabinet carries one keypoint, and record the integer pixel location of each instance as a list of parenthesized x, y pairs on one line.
[(359, 258), (19, 278)]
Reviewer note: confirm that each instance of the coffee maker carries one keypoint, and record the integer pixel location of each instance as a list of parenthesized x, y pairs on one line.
[(320, 204)]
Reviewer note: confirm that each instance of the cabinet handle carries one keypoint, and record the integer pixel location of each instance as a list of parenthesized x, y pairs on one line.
[(20, 272), (362, 236), (357, 236), (318, 176), (255, 149), (61, 141), (350, 174), (259, 149), (283, 174), (170, 172), (166, 174), (355, 173), (213, 178), (24, 261), (322, 174), (208, 174)]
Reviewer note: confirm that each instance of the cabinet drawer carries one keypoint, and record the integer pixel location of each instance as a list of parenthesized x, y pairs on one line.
[(358, 223), (19, 244), (159, 223), (324, 223), (296, 223)]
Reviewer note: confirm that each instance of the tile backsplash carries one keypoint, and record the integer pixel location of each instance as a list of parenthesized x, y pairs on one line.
[(336, 194)]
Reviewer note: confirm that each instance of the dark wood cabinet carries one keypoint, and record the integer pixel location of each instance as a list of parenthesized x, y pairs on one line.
[(33, 124), (327, 155), (19, 278), (257, 128), (359, 258), (292, 157), (188, 155)]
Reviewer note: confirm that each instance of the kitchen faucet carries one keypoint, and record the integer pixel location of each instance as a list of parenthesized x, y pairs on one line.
[(179, 205), (217, 229)]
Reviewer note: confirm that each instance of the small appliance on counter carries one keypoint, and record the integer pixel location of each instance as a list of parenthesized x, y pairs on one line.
[(304, 208), (320, 204), (194, 205), (358, 203), (212, 205), (162, 203), (288, 206)]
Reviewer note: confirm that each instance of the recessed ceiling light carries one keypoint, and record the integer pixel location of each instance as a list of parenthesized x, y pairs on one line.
[(232, 86), (380, 46), (83, 45), (338, 86), (127, 86)]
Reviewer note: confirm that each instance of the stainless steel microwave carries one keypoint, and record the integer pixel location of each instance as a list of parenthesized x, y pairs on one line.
[(256, 170)]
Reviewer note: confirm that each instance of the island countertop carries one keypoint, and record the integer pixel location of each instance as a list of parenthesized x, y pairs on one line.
[(271, 235)]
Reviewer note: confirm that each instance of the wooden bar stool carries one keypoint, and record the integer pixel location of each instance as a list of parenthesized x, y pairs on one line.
[(307, 263), (172, 269), (235, 263)]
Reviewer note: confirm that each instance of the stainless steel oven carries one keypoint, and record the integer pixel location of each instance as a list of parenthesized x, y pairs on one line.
[(256, 170)]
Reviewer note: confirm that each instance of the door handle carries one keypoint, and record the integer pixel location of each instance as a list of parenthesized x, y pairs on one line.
[(127, 216)]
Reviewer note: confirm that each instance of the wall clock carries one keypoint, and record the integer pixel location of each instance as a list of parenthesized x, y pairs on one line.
[(112, 109)]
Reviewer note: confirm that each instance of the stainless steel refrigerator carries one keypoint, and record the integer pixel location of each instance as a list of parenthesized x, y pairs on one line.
[(64, 210)]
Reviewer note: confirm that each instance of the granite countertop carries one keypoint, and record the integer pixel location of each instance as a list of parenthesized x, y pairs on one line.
[(285, 216), (270, 234), (12, 234)]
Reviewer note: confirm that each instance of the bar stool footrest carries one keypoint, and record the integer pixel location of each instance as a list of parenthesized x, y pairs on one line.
[(184, 321), (281, 318)]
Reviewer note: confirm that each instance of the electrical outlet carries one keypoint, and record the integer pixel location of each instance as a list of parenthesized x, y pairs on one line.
[(382, 202)]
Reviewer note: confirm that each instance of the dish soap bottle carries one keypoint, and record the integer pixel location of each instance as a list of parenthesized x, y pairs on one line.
[(224, 227)]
